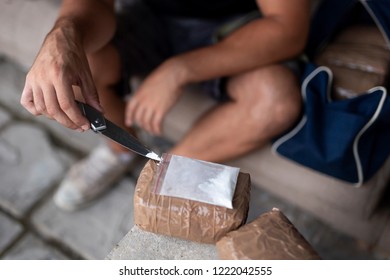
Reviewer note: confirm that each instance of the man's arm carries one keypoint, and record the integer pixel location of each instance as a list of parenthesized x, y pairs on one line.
[(280, 34), (83, 26), (92, 20)]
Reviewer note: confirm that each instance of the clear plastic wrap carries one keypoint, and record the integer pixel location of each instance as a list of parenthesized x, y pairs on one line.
[(186, 218), (198, 180)]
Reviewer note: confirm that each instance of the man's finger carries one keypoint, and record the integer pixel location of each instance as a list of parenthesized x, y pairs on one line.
[(39, 101), (89, 92), (68, 106), (157, 123), (27, 100), (130, 111), (139, 114), (54, 111), (147, 120)]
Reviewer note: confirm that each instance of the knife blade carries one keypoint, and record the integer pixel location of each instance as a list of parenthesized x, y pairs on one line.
[(99, 124)]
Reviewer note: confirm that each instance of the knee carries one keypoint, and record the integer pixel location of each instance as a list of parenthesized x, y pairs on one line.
[(270, 96), (105, 66), (285, 113)]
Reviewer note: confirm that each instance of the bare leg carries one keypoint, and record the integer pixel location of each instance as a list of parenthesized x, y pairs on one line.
[(106, 71), (265, 102)]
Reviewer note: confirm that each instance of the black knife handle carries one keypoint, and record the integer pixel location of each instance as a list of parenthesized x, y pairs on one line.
[(95, 117)]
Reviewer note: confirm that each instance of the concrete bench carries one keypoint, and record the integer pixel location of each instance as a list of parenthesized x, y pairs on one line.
[(23, 26), (159, 247), (269, 236)]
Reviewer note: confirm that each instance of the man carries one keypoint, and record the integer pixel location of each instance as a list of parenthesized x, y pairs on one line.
[(246, 67)]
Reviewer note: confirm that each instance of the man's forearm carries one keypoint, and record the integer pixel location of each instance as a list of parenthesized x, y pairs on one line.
[(281, 34), (89, 22), (260, 43)]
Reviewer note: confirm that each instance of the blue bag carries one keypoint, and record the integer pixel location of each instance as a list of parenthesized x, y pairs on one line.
[(347, 139)]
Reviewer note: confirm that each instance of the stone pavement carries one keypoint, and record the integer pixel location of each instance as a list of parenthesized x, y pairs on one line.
[(35, 153)]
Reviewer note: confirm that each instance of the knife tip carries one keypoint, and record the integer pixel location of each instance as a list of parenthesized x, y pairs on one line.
[(154, 156)]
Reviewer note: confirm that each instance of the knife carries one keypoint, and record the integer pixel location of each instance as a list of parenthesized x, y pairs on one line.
[(99, 124)]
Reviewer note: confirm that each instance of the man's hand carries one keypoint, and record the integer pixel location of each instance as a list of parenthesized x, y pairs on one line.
[(61, 64), (156, 96)]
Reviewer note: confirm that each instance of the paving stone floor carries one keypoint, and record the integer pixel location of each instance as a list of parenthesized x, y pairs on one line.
[(35, 153)]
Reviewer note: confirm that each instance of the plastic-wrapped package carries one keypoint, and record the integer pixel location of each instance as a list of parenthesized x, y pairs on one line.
[(269, 237), (196, 180), (186, 218)]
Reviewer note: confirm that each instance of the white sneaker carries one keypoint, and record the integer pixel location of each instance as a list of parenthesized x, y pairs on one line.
[(90, 177)]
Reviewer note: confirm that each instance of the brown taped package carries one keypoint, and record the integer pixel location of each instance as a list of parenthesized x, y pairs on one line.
[(187, 219), (362, 34), (269, 237), (359, 60)]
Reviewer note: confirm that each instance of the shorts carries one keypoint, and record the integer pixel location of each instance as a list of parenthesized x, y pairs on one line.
[(145, 38)]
